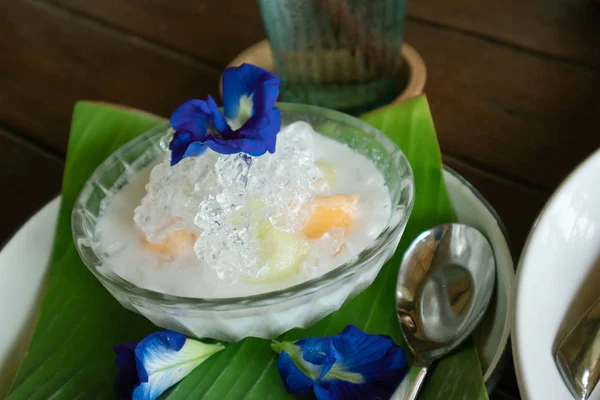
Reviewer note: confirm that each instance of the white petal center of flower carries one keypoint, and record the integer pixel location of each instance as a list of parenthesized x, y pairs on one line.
[(244, 112), (165, 367)]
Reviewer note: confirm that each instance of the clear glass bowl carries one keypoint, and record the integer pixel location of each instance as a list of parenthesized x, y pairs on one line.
[(265, 315)]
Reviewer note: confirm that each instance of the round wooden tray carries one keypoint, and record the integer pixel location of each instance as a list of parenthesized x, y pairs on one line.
[(260, 54)]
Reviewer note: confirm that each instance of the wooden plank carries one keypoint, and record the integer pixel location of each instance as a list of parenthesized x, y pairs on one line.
[(30, 178), (562, 28), (51, 59), (517, 114), (565, 29), (517, 205), (214, 30), (485, 98), (501, 108)]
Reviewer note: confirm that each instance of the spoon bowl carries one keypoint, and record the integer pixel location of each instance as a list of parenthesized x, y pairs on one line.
[(444, 287)]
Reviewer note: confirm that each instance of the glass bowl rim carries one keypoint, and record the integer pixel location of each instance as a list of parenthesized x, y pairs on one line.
[(339, 273)]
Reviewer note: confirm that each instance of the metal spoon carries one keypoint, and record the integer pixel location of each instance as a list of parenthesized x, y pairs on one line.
[(445, 283), (578, 356)]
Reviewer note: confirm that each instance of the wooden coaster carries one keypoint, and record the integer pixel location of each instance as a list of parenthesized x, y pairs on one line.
[(260, 54)]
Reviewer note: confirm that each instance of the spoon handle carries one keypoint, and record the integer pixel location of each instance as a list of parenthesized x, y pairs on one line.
[(578, 356), (411, 384)]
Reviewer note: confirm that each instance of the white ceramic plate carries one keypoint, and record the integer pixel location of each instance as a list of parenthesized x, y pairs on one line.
[(23, 266), (491, 337), (558, 279)]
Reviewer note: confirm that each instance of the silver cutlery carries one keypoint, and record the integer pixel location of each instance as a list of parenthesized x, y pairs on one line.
[(578, 355), (445, 283)]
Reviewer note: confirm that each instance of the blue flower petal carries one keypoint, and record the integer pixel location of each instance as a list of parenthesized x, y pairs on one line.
[(255, 138), (152, 350), (314, 350), (252, 122), (333, 357), (267, 93), (179, 145), (164, 358), (252, 147), (248, 86), (294, 379), (127, 379), (263, 127), (351, 365), (343, 390), (217, 119), (195, 149), (373, 356), (195, 121), (321, 352), (194, 117)]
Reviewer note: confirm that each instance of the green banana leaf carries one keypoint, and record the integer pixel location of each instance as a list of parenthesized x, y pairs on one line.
[(71, 355)]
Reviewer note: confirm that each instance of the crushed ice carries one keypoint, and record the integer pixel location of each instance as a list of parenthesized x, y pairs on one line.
[(225, 198)]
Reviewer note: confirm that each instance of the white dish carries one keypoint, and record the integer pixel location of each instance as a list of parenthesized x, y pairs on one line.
[(22, 271), (491, 336), (558, 279), (17, 316)]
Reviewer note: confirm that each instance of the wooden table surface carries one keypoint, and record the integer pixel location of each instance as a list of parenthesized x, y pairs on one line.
[(512, 86)]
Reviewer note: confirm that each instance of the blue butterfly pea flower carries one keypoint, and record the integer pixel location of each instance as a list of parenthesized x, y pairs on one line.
[(128, 378), (351, 365), (250, 122), (159, 361)]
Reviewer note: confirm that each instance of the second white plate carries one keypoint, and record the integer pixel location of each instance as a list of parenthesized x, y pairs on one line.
[(23, 264), (558, 279)]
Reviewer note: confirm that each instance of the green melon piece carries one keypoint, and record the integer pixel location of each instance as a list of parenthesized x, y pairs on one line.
[(282, 251)]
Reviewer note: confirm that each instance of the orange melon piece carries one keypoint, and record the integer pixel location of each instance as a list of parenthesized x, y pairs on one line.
[(328, 213), (179, 243)]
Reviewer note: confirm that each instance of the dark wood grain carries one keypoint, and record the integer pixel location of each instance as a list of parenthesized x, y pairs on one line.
[(493, 105), (30, 178), (215, 30), (51, 58), (522, 116), (568, 29)]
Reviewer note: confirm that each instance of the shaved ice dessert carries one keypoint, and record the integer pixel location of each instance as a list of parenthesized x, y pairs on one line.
[(246, 220), (234, 225)]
